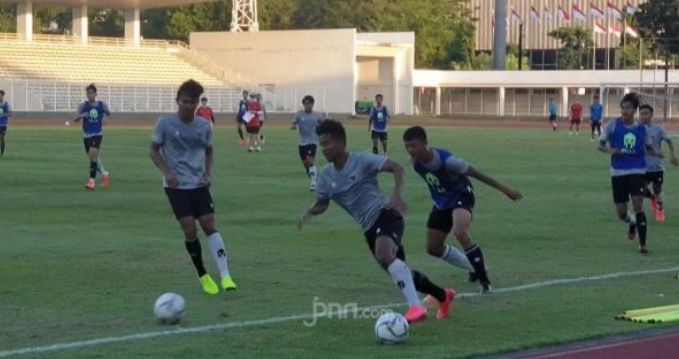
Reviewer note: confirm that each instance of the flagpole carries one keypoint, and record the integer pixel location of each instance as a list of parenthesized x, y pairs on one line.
[(624, 37), (608, 40)]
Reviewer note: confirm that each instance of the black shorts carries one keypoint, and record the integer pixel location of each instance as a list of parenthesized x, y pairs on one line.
[(3, 130), (390, 223), (626, 186), (307, 151), (442, 219), (194, 203), (655, 178), (382, 136), (596, 125), (92, 142), (552, 118)]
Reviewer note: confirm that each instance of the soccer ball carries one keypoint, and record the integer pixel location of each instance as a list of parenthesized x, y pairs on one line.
[(391, 328), (169, 308)]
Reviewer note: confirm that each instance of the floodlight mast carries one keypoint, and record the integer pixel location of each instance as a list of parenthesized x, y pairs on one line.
[(244, 16)]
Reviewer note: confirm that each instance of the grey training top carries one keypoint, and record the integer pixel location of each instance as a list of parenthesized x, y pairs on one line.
[(306, 125), (656, 135)]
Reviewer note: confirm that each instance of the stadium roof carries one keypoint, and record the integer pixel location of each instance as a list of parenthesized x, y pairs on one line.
[(114, 4)]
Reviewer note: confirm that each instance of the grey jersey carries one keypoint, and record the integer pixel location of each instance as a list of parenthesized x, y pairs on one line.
[(455, 166), (656, 135), (355, 187), (183, 147), (306, 125)]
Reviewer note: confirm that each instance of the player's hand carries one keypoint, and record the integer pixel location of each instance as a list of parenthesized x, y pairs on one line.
[(674, 161), (398, 204), (206, 179), (513, 194), (171, 180), (615, 152)]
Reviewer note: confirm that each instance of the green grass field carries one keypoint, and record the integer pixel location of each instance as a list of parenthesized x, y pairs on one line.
[(78, 265)]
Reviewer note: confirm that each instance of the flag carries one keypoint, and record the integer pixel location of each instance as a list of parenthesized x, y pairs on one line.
[(595, 11), (563, 14), (614, 11), (614, 30), (631, 32), (548, 15), (631, 9), (599, 29), (516, 17), (578, 14)]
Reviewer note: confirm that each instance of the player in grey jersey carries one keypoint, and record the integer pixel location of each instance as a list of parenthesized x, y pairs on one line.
[(306, 122), (181, 147), (350, 179), (655, 169)]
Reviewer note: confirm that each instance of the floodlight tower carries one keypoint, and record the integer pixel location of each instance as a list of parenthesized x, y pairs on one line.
[(244, 16)]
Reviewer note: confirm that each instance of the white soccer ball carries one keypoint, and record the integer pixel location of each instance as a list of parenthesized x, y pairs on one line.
[(392, 328), (169, 308)]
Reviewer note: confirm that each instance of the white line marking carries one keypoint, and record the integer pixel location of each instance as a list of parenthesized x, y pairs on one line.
[(300, 317)]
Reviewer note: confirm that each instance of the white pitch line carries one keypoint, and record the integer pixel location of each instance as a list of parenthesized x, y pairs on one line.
[(300, 317)]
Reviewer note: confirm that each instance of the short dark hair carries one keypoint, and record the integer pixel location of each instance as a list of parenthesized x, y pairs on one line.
[(333, 128), (190, 88), (632, 98), (2, 92), (91, 87), (379, 95), (308, 98), (646, 106), (204, 98), (415, 133)]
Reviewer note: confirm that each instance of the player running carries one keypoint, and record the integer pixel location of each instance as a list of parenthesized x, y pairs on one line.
[(447, 177), (350, 179), (553, 111), (181, 147), (378, 124), (205, 111), (92, 113), (254, 118), (240, 122), (306, 122), (5, 114), (576, 117), (596, 115)]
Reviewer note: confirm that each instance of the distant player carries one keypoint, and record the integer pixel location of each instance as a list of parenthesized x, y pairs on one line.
[(350, 179), (378, 124), (596, 115), (5, 114), (181, 147), (654, 164), (306, 122), (626, 141), (254, 118), (258, 98), (92, 113), (205, 111), (447, 177), (240, 122), (553, 111), (576, 117)]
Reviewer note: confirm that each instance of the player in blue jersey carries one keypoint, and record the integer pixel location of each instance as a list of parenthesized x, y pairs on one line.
[(350, 180), (452, 193), (92, 113), (553, 111), (596, 115), (626, 141), (240, 122), (5, 113), (378, 124)]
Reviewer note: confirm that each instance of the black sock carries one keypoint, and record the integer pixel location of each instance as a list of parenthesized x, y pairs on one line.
[(261, 137), (660, 205), (475, 256), (196, 253), (641, 227), (240, 133), (93, 169), (375, 151), (2, 148), (307, 171), (424, 285)]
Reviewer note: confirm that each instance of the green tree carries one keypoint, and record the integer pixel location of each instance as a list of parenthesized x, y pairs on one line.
[(107, 22), (8, 17), (577, 43), (213, 16), (657, 22), (52, 19)]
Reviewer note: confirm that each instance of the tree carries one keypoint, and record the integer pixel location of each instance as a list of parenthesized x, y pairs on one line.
[(198, 17), (657, 22), (577, 42), (8, 18), (106, 22)]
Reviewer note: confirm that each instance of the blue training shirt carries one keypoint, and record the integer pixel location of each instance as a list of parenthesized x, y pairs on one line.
[(596, 111), (631, 140), (445, 177), (242, 108), (4, 110), (380, 117), (93, 118)]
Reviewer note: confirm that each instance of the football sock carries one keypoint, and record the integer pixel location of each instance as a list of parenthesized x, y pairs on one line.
[(100, 166), (216, 244), (630, 219), (658, 198), (455, 257), (475, 256), (93, 169), (424, 285), (196, 253), (641, 227), (2, 147), (401, 275), (375, 151), (312, 174), (240, 133)]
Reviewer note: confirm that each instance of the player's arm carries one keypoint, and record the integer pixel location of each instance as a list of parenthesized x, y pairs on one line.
[(605, 137), (80, 114), (209, 162), (673, 156), (107, 111), (320, 206), (512, 194), (159, 161), (396, 202), (370, 119), (293, 124)]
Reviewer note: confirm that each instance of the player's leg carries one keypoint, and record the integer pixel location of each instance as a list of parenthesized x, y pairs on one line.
[(309, 164), (636, 191), (105, 176), (648, 191), (241, 138), (258, 140), (206, 218), (577, 126), (375, 137), (598, 129), (593, 130), (3, 132), (570, 127), (250, 138), (656, 183), (439, 224), (92, 153), (383, 140), (620, 198), (462, 219)]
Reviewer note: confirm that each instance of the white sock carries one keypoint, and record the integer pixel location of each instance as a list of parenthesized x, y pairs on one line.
[(312, 174), (100, 166), (401, 275), (216, 244), (455, 257), (631, 218)]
